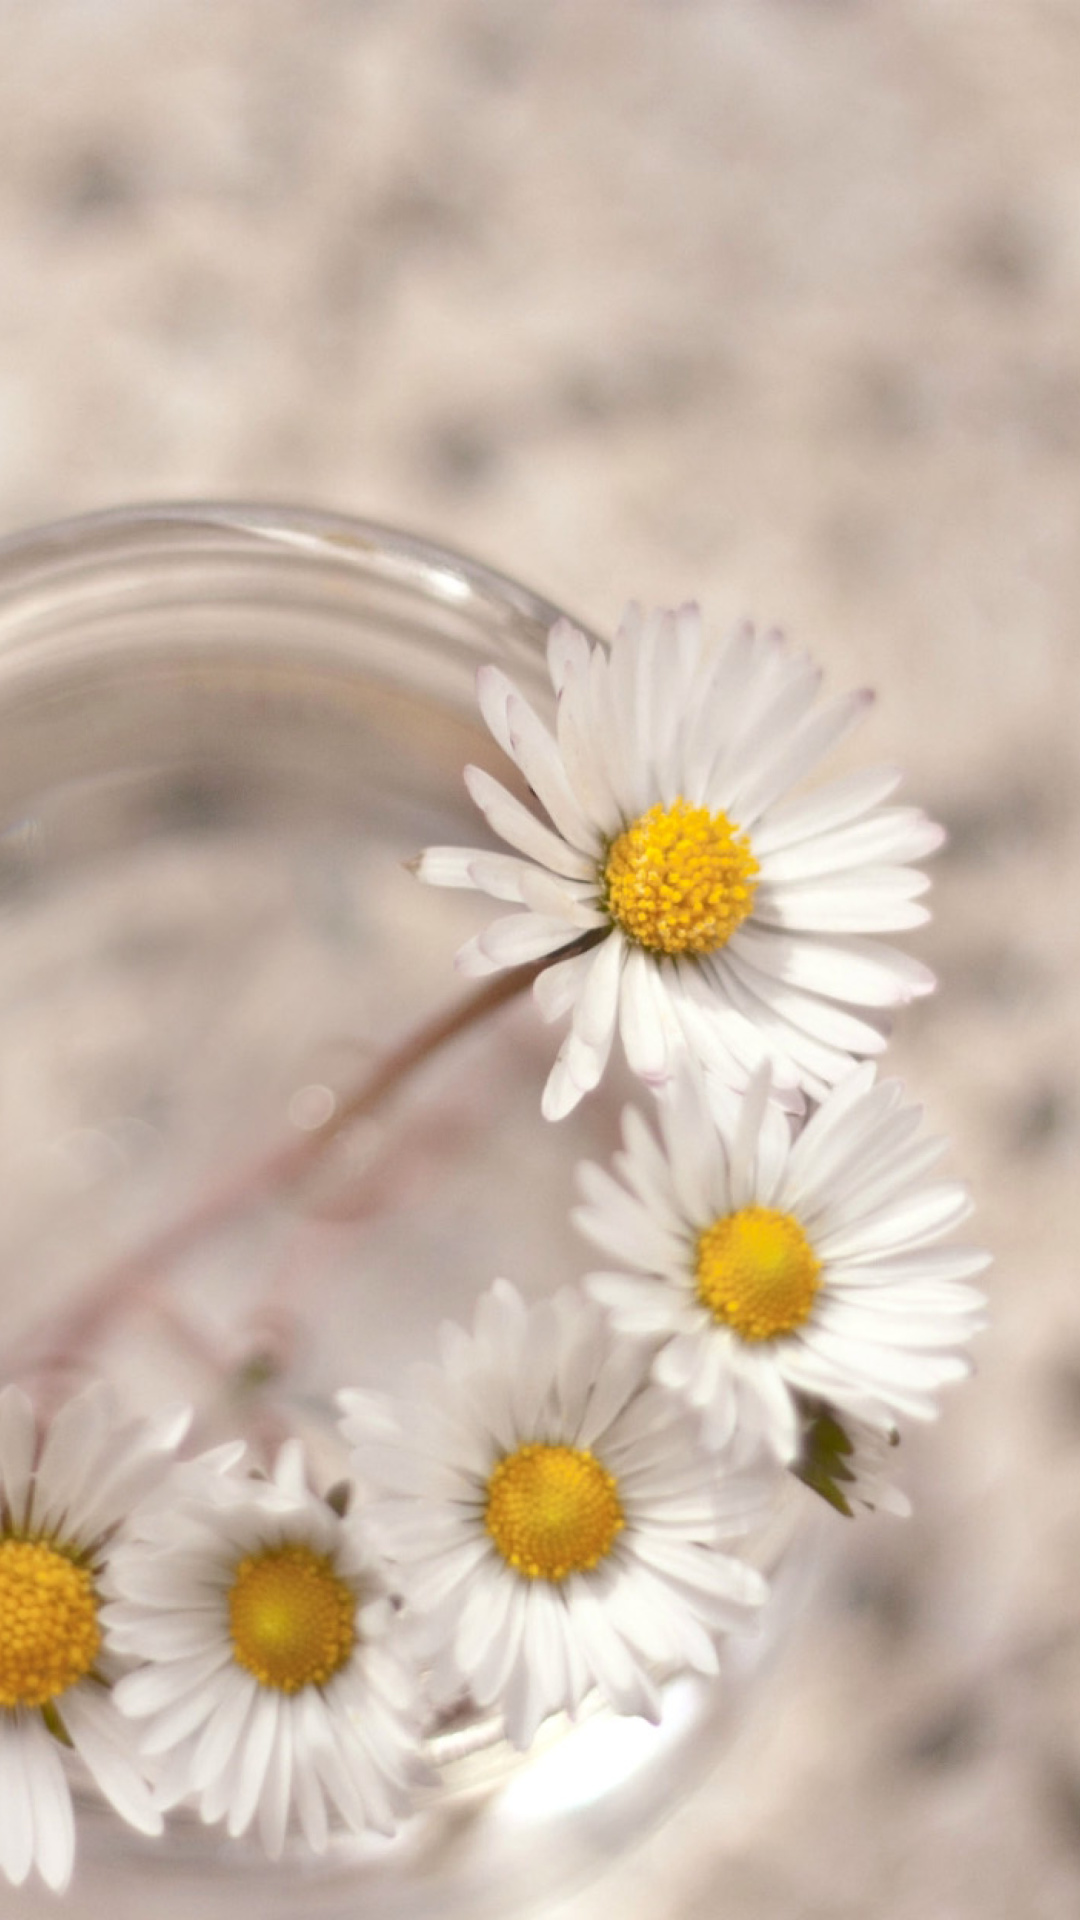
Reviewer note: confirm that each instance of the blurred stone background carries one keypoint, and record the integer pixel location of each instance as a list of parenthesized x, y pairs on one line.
[(771, 302)]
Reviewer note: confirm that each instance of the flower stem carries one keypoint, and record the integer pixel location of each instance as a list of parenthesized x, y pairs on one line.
[(109, 1290)]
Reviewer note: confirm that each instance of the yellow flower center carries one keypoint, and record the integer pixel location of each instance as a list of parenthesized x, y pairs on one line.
[(291, 1618), (757, 1272), (49, 1633), (552, 1511), (680, 879)]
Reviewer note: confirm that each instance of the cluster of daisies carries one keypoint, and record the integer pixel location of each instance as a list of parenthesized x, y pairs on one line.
[(566, 1504)]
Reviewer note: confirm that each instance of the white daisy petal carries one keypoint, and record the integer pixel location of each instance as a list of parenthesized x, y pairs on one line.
[(723, 1037), (221, 1734), (520, 937), (484, 1621), (890, 836), (17, 1744), (681, 1166), (493, 694), (514, 823), (500, 874), (738, 746), (760, 1034), (180, 1636), (743, 1149), (884, 1180), (172, 1723), (537, 1686), (646, 1034), (334, 1776), (664, 1637), (128, 1473), (582, 1061), (851, 1319), (69, 1456), (310, 1805), (768, 1386), (640, 1236), (640, 1305), (909, 1222), (275, 1794), (885, 1368), (811, 740), (925, 1263), (621, 1679), (557, 988), (841, 903), (537, 754), (598, 1002), (643, 1163), (584, 765), (559, 899), (855, 969), (491, 1671), (562, 1089), (618, 1378), (567, 651), (830, 807), (18, 1437), (784, 700), (718, 688), (107, 1748), (831, 1138), (839, 1028), (611, 742), (52, 1818), (256, 1753), (728, 1581), (680, 1360)]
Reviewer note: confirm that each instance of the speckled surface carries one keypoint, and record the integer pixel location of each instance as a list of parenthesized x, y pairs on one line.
[(771, 302)]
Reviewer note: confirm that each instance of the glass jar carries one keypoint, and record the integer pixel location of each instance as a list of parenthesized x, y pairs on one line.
[(224, 731)]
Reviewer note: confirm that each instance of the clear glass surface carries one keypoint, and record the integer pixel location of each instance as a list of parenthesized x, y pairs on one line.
[(223, 732)]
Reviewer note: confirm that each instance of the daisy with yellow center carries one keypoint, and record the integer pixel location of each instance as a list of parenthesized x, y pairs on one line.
[(256, 1604), (65, 1496), (778, 1263), (556, 1525), (680, 896)]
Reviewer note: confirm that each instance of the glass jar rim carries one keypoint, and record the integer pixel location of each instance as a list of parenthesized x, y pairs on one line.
[(142, 529)]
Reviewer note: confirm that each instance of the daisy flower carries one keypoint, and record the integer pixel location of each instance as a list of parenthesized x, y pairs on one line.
[(776, 1262), (270, 1683), (555, 1521), (63, 1498), (680, 894)]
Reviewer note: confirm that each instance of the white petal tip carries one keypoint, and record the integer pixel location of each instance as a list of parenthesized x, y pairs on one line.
[(558, 1109), (473, 964), (922, 984)]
